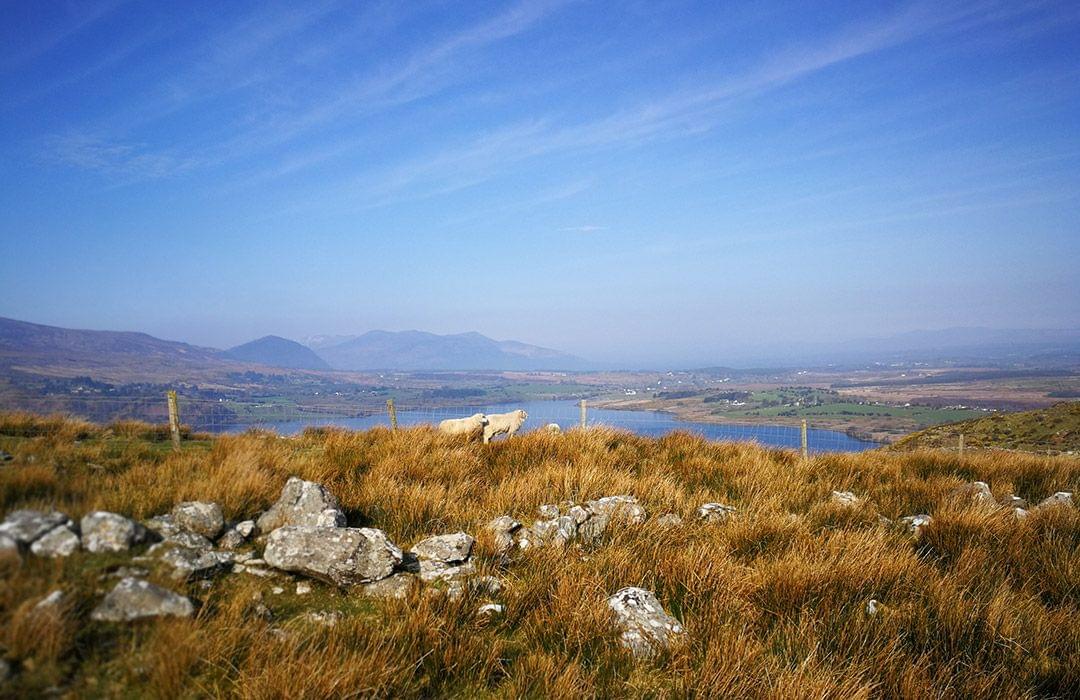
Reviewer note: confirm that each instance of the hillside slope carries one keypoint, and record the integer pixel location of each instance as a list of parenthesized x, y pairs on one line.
[(277, 352), (1056, 429), (773, 601)]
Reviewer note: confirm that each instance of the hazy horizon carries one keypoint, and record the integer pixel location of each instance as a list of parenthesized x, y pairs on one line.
[(658, 185)]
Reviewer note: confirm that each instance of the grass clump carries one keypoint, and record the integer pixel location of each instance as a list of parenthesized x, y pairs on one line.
[(773, 600)]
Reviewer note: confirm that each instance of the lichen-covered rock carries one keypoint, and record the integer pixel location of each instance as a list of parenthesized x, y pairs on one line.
[(302, 503), (549, 511), (26, 526), (451, 549), (184, 538), (61, 541), (715, 512), (396, 586), (1061, 498), (977, 492), (193, 564), (338, 555), (621, 507), (844, 498), (200, 517), (915, 524), (237, 535), (592, 529), (134, 599), (502, 529), (646, 627), (8, 546), (108, 532), (578, 513), (669, 520), (566, 529), (162, 525)]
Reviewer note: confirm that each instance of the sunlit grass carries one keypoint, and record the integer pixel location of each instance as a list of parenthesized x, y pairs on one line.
[(773, 602)]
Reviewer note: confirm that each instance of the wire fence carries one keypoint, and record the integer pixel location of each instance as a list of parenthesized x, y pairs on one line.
[(222, 415)]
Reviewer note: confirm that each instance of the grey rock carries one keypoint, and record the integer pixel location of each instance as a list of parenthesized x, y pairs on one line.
[(184, 538), (545, 530), (303, 588), (669, 520), (200, 517), (134, 599), (61, 541), (715, 512), (646, 626), (592, 529), (323, 618), (8, 546), (844, 498), (578, 513), (549, 511), (503, 529), (5, 456), (194, 564), (621, 507), (1061, 498), (108, 532), (977, 492), (51, 602), (342, 556), (237, 535), (452, 548), (490, 609), (915, 524), (302, 503), (565, 530), (163, 526), (26, 526), (1013, 501), (396, 586)]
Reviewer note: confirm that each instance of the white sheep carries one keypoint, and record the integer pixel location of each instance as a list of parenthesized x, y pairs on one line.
[(464, 426), (553, 428), (499, 423)]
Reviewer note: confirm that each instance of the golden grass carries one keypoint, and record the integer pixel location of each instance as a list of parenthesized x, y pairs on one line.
[(773, 601)]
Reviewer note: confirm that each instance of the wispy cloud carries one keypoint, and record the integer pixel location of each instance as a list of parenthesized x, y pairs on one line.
[(81, 16)]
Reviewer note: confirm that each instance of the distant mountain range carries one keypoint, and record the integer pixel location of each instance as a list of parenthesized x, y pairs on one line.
[(277, 352), (40, 349), (417, 350)]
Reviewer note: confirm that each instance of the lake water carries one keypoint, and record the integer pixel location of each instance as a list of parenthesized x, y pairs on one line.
[(567, 415)]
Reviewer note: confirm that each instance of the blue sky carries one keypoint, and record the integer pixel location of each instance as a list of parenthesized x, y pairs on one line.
[(638, 182)]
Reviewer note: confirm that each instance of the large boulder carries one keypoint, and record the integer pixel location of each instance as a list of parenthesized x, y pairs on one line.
[(61, 541), (339, 555), (108, 532), (451, 549), (134, 599), (302, 503), (200, 517), (646, 627), (26, 526)]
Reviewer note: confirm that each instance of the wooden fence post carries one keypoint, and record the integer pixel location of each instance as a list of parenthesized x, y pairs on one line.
[(802, 441), (393, 413), (961, 444), (174, 418), (584, 413)]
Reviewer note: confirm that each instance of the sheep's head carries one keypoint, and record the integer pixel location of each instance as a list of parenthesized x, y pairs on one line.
[(481, 417), (522, 414)]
